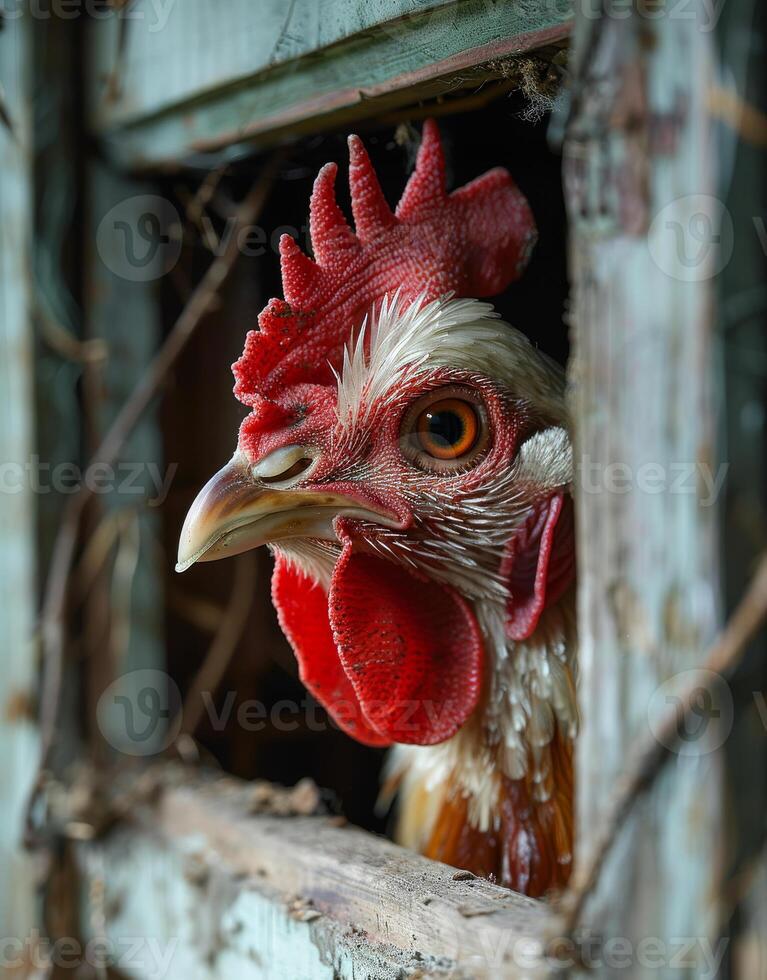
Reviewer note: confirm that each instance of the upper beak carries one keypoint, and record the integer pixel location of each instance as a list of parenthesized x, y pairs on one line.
[(234, 513)]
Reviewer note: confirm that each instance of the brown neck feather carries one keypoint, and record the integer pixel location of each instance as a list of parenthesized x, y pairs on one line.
[(530, 850)]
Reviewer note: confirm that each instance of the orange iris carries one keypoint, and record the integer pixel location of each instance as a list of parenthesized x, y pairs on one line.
[(447, 429)]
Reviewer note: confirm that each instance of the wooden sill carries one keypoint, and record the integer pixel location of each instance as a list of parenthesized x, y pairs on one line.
[(196, 878)]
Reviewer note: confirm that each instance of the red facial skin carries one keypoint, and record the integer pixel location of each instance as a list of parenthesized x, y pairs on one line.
[(399, 659), (472, 242), (312, 422)]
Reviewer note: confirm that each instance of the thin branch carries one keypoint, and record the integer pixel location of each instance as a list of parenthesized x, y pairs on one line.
[(746, 119), (201, 301), (195, 205), (94, 555), (224, 643), (741, 885), (722, 659), (201, 612), (65, 344)]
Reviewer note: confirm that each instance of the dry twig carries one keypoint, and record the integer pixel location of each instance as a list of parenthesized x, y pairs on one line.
[(747, 120), (722, 659), (53, 617), (65, 344), (202, 613), (196, 204), (228, 635)]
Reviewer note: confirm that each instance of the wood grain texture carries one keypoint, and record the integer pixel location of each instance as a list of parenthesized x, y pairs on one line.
[(200, 46), (644, 398), (124, 613), (302, 891), (18, 741), (153, 102)]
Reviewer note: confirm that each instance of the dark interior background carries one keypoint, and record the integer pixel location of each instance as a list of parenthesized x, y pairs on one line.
[(201, 418)]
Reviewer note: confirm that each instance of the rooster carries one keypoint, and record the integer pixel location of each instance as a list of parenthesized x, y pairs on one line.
[(406, 459)]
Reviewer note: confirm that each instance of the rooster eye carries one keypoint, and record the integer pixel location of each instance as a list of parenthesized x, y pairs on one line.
[(445, 430)]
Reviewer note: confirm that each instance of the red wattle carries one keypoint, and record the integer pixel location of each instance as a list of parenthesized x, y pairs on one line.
[(539, 564), (392, 657), (411, 648), (302, 609)]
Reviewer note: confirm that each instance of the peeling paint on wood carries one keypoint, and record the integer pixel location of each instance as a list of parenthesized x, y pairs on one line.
[(18, 743), (640, 145), (203, 47), (225, 893), (364, 54)]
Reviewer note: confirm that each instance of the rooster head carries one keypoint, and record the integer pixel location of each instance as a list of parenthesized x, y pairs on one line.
[(404, 457)]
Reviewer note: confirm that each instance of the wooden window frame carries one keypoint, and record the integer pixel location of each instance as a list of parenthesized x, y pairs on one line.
[(188, 860)]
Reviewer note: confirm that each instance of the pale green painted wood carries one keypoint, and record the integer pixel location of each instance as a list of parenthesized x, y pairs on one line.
[(202, 883), (645, 400), (18, 742), (124, 312), (371, 69), (175, 51)]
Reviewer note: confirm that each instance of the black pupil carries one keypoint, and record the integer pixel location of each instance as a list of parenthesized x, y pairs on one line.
[(445, 428)]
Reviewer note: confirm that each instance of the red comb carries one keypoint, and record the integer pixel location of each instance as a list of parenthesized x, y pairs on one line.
[(473, 242)]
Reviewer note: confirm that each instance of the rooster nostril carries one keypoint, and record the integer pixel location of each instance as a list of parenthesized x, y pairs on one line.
[(295, 470), (285, 463)]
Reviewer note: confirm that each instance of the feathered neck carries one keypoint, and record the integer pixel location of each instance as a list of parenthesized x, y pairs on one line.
[(497, 797)]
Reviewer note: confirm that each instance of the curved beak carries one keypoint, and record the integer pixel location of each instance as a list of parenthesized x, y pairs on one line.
[(234, 513)]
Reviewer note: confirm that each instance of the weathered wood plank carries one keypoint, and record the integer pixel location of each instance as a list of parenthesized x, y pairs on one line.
[(248, 893), (125, 611), (431, 53), (639, 155), (201, 46), (18, 741)]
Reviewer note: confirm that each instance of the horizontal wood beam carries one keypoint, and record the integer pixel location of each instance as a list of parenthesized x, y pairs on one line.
[(199, 879), (232, 98)]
